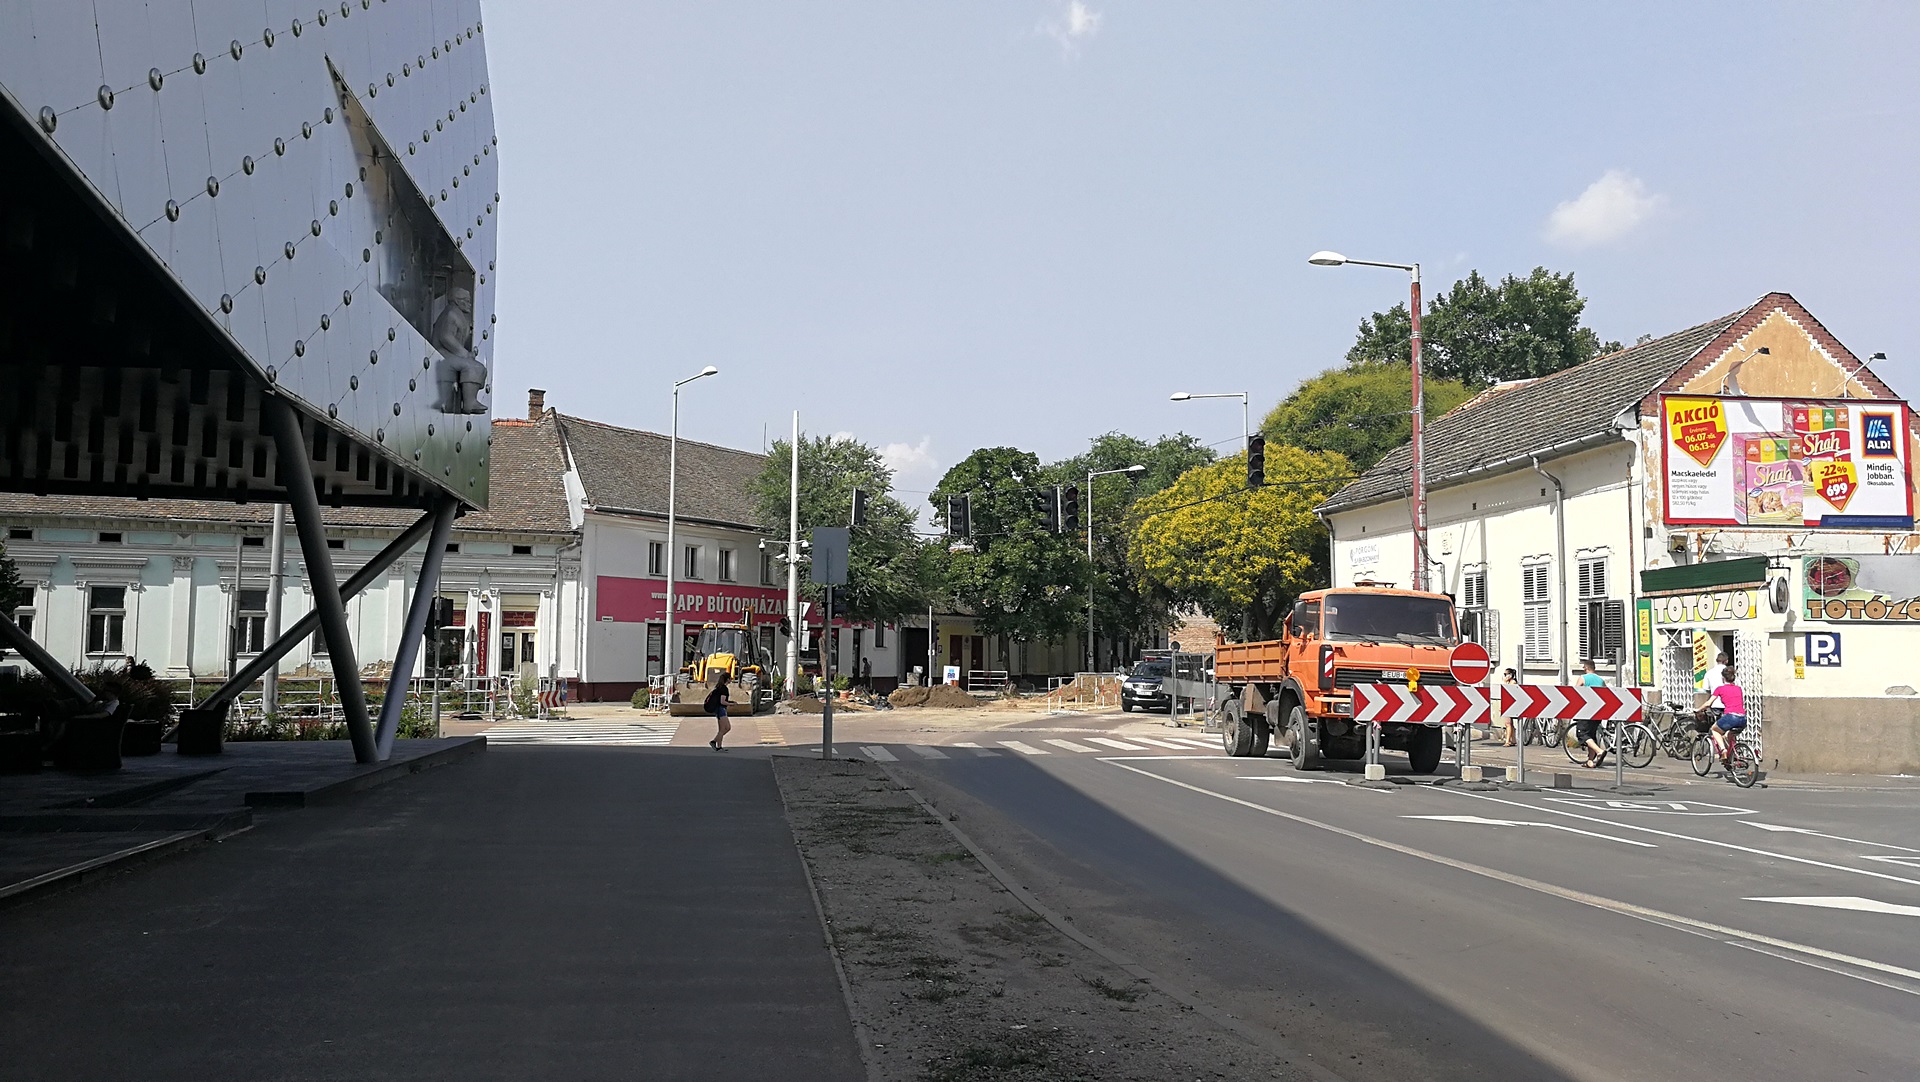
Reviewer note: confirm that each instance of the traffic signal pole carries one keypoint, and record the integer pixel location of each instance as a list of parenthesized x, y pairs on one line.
[(1419, 493), (793, 563)]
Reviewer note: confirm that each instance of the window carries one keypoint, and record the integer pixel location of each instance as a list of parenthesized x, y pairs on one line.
[(109, 538), (1473, 589), (523, 550), (1603, 622), (879, 636), (253, 542), (23, 619), (656, 558), (766, 569), (19, 533), (1537, 601), (726, 565), (336, 543), (453, 547), (250, 632), (106, 619), (693, 562)]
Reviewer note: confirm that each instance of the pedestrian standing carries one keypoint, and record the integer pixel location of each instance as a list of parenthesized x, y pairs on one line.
[(717, 706), (1508, 677), (1589, 731)]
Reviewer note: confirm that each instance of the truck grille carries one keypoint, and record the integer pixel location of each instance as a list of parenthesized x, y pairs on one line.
[(1346, 678)]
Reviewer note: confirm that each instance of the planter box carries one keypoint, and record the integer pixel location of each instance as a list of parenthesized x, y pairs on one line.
[(201, 732), (142, 737), (20, 751), (90, 744)]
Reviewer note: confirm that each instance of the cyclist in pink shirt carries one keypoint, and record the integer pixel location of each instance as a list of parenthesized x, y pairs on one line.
[(1733, 715)]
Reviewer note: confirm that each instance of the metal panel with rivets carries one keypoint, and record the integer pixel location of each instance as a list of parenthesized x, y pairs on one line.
[(315, 184)]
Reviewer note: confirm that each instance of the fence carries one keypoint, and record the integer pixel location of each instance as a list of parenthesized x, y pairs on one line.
[(1083, 690), (987, 681), (317, 698)]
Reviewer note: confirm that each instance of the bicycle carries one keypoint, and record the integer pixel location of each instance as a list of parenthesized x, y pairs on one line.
[(1678, 731), (1743, 756), (1633, 741)]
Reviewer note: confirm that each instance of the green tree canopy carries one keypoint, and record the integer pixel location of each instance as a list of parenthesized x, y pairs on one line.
[(1239, 556), (1479, 333), (1359, 411), (1015, 576), (890, 572)]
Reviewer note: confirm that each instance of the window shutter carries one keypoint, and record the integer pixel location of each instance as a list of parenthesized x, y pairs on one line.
[(1614, 622)]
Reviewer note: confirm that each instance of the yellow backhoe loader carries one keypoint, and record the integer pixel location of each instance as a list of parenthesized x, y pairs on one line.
[(731, 649)]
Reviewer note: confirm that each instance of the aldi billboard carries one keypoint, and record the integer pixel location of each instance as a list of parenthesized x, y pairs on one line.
[(1788, 463)]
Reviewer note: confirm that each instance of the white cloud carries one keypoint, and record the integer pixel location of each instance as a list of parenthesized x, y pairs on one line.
[(913, 464), (1072, 25), (1609, 209)]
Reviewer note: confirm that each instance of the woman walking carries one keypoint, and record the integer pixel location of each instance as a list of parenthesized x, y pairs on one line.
[(717, 706)]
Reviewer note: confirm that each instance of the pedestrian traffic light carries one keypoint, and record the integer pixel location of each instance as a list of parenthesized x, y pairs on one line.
[(1256, 461), (859, 517), (1070, 509), (786, 627), (1049, 506), (957, 517)]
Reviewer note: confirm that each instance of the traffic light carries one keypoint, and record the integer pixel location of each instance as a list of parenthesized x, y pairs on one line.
[(859, 517), (1256, 461), (786, 627), (1070, 509), (440, 613), (957, 517), (1049, 504)]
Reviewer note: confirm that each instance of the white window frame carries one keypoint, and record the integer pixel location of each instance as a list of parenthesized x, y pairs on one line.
[(254, 620), (727, 565), (766, 569), (657, 558), (691, 569), (112, 617), (1536, 603), (1473, 587)]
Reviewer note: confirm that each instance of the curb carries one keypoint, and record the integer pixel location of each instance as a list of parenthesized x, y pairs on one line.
[(378, 775), (1294, 1057), (74, 874)]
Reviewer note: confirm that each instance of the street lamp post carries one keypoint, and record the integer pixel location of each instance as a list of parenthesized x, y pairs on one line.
[(1245, 429), (1418, 496), (1092, 577), (673, 469)]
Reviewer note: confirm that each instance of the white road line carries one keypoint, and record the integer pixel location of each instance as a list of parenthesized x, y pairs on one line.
[(1121, 744), (926, 752), (1067, 744), (1483, 821), (1208, 745), (880, 755), (1829, 837), (1021, 748), (1682, 837), (1159, 743), (1628, 909), (977, 749), (1858, 905)]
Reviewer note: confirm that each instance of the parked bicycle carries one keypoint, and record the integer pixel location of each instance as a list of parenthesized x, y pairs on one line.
[(1633, 741), (1678, 731)]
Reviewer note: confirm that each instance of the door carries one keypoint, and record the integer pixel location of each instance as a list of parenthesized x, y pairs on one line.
[(656, 649)]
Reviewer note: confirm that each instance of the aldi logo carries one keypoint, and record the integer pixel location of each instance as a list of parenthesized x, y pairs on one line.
[(1876, 435)]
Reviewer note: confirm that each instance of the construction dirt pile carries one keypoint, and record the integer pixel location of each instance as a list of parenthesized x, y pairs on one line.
[(942, 696)]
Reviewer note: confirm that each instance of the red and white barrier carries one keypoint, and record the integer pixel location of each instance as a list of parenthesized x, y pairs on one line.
[(1427, 706), (1571, 702)]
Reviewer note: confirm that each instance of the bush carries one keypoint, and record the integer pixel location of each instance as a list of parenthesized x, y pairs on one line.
[(804, 684), (639, 700), (146, 697), (842, 682)]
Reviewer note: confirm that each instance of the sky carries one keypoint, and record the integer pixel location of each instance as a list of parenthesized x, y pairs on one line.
[(953, 224)]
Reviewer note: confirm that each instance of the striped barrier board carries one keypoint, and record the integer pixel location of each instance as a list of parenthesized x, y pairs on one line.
[(1571, 702), (1427, 706)]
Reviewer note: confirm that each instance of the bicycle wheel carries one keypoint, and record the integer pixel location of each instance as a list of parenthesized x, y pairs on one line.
[(1746, 765), (1636, 746), (1702, 755), (1571, 743)]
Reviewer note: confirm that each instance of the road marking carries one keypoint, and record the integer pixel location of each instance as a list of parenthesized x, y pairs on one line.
[(1296, 781), (1209, 745), (1627, 909), (1858, 905), (1831, 837), (604, 734), (1159, 743), (1903, 861), (1067, 744), (1021, 748), (1657, 807), (880, 755), (977, 749), (1121, 744), (1685, 837), (1522, 823), (925, 752)]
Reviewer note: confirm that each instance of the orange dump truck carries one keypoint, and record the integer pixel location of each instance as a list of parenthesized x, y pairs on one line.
[(1296, 692)]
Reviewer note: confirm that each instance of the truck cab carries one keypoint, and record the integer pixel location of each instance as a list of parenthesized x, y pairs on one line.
[(1297, 691)]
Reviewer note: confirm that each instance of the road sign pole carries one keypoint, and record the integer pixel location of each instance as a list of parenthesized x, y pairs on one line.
[(1526, 727), (1619, 737), (826, 677)]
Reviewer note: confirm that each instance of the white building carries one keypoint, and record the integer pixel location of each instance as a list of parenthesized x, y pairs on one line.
[(1564, 516)]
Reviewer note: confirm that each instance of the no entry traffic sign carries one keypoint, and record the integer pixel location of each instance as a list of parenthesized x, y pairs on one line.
[(1469, 663)]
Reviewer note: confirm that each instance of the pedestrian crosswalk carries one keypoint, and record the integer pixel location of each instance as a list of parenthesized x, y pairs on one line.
[(882, 754), (582, 733)]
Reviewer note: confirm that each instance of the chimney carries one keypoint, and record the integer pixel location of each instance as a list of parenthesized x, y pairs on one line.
[(536, 403)]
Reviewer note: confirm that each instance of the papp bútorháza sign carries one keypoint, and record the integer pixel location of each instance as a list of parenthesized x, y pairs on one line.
[(1785, 463)]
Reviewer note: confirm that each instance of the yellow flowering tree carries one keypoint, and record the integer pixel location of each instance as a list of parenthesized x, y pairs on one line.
[(1241, 556)]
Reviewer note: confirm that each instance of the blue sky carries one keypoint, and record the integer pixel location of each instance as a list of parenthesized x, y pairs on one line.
[(947, 225)]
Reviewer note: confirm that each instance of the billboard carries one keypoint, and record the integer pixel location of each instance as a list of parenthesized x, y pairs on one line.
[(1786, 463), (1863, 588)]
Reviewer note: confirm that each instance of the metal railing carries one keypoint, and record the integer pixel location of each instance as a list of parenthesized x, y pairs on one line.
[(987, 681)]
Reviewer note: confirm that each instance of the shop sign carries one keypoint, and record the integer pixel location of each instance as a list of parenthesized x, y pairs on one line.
[(1643, 632), (1861, 588), (1713, 606), (631, 600), (1703, 655)]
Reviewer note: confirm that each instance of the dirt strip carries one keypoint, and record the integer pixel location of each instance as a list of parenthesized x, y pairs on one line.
[(954, 979)]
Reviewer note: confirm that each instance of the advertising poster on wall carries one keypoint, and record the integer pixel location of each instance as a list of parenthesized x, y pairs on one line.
[(1786, 463), (1861, 589)]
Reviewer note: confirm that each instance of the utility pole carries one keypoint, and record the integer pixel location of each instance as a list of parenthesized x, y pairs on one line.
[(793, 564)]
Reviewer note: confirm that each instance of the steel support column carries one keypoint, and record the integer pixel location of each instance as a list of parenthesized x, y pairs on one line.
[(298, 633), (424, 593), (37, 656), (296, 476)]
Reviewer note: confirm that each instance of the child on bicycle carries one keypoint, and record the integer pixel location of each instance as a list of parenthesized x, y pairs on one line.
[(1733, 716)]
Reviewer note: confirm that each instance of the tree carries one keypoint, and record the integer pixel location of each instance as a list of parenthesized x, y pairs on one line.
[(13, 592), (1239, 555), (1015, 576), (889, 570), (1359, 411), (1479, 333)]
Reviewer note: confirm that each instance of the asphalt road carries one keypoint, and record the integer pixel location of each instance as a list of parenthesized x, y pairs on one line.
[(1417, 931)]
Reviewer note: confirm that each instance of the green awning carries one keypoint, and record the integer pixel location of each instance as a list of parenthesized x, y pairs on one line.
[(1714, 575)]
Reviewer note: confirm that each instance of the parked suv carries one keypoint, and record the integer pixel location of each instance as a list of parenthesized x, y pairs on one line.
[(1143, 687)]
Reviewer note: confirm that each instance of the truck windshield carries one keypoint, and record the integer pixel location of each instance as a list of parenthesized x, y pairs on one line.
[(1388, 618), (722, 640)]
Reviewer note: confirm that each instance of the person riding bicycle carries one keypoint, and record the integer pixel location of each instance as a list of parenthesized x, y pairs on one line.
[(1589, 731), (1733, 716)]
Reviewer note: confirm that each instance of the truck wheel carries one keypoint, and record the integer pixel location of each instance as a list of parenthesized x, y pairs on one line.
[(1423, 751), (1305, 747), (1236, 736), (1262, 733)]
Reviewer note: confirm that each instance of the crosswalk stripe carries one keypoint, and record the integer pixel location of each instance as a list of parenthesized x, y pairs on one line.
[(880, 755), (1121, 744), (977, 749), (1159, 743), (1069, 745), (615, 735), (925, 752), (1021, 748), (1192, 743)]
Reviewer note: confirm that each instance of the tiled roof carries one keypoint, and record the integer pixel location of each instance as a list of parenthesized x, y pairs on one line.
[(624, 469), (1565, 406), (528, 496)]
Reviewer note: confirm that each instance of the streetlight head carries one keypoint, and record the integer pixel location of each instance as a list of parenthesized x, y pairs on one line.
[(1179, 396), (1326, 259), (709, 371), (1876, 357), (1136, 469)]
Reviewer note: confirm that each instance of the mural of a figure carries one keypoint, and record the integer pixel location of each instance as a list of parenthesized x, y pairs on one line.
[(465, 375)]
